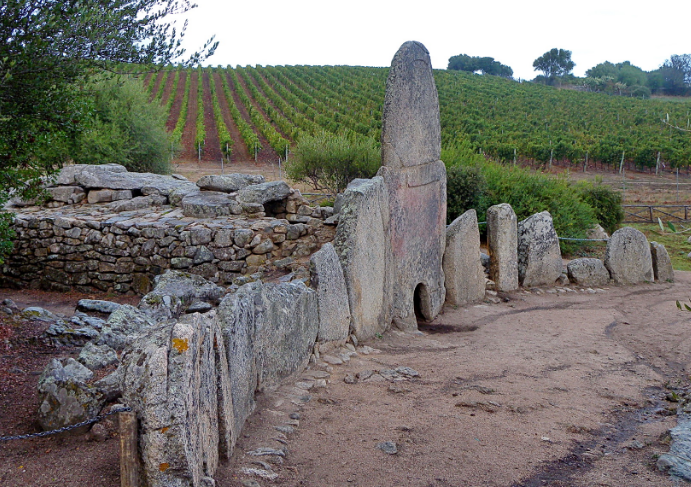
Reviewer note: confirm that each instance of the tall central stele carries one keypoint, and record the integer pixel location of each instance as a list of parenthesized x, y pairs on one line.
[(416, 181)]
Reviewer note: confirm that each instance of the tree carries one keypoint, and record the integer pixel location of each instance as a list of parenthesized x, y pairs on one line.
[(676, 74), (48, 50), (486, 65), (554, 63)]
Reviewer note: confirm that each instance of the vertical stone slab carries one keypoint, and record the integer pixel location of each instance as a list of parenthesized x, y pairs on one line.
[(416, 184), (363, 247), (539, 256), (502, 240), (628, 258), (464, 277), (662, 264), (327, 279), (180, 392)]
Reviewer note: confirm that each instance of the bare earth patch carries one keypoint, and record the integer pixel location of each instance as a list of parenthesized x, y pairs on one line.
[(560, 389)]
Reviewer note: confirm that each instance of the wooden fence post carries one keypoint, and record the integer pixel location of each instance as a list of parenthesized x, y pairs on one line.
[(129, 457)]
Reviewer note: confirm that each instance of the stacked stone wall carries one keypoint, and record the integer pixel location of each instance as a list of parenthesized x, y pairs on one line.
[(122, 253)]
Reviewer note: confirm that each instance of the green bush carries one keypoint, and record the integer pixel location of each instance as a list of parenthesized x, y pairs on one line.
[(607, 206), (527, 192), (124, 128), (328, 161), (465, 189)]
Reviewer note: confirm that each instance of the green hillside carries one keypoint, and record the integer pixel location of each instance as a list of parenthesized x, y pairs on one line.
[(259, 110)]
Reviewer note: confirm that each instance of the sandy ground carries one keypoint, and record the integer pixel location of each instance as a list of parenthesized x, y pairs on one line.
[(562, 389)]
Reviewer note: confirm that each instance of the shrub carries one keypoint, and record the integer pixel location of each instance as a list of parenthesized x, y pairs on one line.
[(607, 206), (124, 128), (328, 161), (465, 189)]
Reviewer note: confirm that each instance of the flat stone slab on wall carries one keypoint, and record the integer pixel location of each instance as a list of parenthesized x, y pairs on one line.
[(539, 256), (363, 247), (628, 257), (463, 271), (502, 240)]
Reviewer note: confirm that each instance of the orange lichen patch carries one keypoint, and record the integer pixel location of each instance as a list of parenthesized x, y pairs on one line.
[(181, 344), (164, 429), (163, 467)]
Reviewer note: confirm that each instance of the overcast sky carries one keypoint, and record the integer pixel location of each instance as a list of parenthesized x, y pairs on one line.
[(513, 32)]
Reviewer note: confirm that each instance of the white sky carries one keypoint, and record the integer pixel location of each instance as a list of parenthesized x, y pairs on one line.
[(513, 32)]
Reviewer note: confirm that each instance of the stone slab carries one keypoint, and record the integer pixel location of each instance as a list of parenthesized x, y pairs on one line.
[(464, 276), (502, 241)]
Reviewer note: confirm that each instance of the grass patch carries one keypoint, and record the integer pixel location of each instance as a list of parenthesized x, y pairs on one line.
[(675, 243)]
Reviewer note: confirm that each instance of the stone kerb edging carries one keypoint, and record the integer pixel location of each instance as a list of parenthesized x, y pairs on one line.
[(98, 247)]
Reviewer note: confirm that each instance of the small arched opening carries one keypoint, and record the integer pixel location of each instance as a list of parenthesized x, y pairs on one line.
[(421, 303)]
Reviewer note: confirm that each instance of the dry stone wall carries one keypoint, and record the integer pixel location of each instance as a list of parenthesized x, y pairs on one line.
[(100, 247)]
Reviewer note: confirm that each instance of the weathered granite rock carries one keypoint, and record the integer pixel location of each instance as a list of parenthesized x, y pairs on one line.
[(326, 277), (36, 313), (539, 256), (662, 264), (597, 232), (175, 291), (678, 461), (97, 305), (411, 133), (588, 272), (209, 204), (67, 194), (628, 258), (416, 186), (176, 195), (122, 325), (65, 398), (264, 192), (137, 203), (363, 246), (93, 178), (229, 183), (463, 272), (502, 240), (96, 357), (108, 195), (68, 174), (176, 378), (269, 331), (74, 332)]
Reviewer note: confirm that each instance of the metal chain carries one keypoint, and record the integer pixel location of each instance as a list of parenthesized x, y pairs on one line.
[(65, 428)]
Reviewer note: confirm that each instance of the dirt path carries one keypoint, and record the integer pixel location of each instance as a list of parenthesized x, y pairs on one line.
[(239, 151), (212, 149), (189, 151), (549, 389), (556, 388), (177, 104)]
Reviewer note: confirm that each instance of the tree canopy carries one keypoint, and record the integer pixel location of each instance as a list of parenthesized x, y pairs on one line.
[(554, 63), (48, 50), (473, 64)]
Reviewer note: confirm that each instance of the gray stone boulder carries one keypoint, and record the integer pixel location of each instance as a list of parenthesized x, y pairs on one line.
[(96, 357), (138, 203), (628, 258), (264, 192), (363, 247), (662, 264), (176, 195), (209, 204), (463, 272), (597, 233), (502, 240), (68, 174), (97, 305), (588, 272), (122, 326), (326, 277), (228, 183), (175, 291), (93, 177), (176, 378), (269, 331), (67, 194), (539, 256), (75, 332), (65, 398), (36, 313)]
